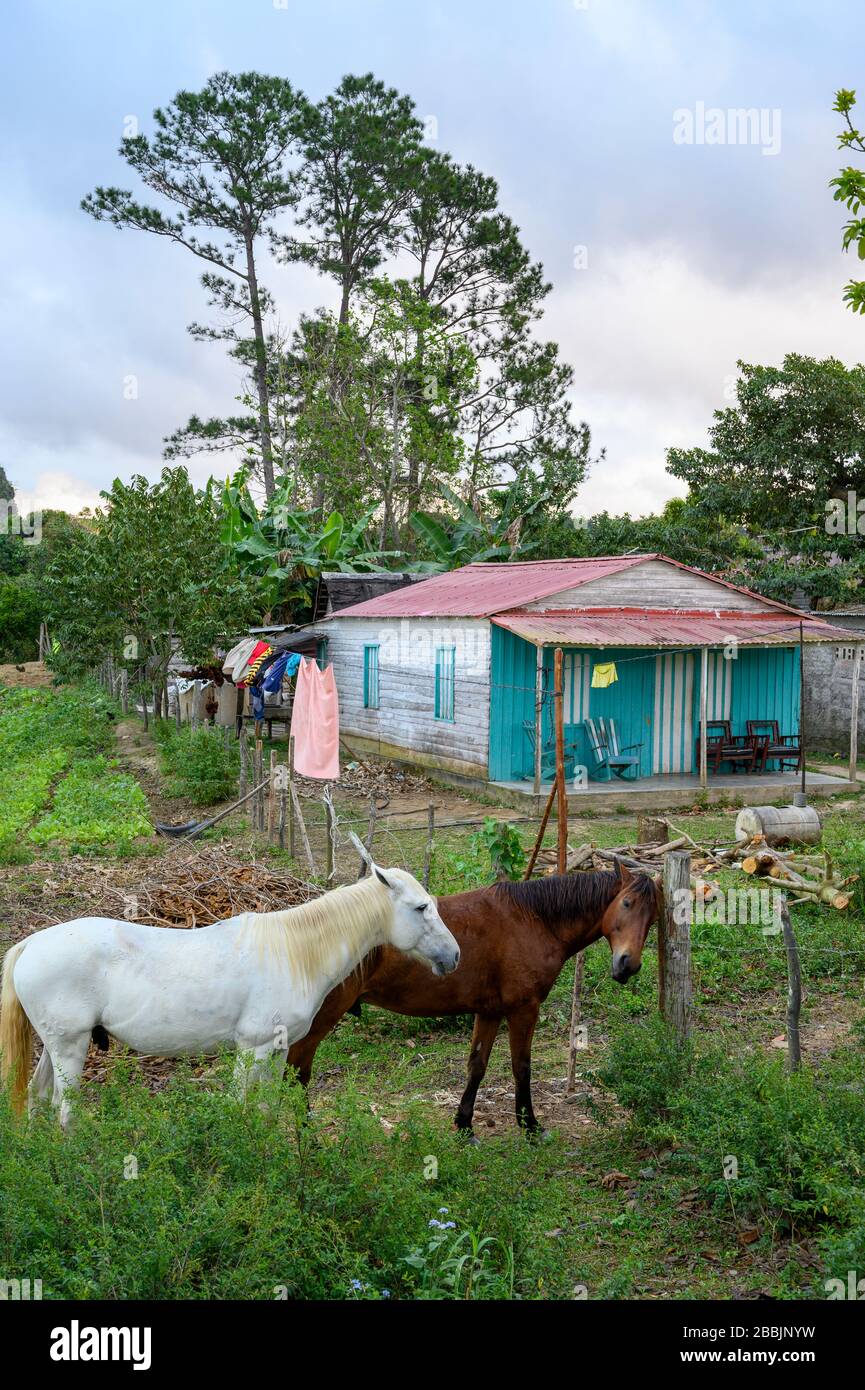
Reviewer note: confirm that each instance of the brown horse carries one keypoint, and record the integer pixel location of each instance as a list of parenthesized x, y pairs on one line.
[(514, 939)]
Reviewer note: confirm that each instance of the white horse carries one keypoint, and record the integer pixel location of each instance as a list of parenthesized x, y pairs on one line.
[(254, 982)]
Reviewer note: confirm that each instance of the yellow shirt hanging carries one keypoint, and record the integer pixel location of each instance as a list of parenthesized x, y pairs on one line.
[(604, 674)]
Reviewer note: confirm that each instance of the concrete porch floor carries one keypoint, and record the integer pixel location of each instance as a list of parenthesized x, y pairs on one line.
[(655, 793)]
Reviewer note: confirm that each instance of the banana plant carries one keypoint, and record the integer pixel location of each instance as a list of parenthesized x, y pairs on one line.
[(473, 537), (288, 549)]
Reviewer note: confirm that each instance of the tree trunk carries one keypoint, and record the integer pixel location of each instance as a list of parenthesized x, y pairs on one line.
[(260, 373)]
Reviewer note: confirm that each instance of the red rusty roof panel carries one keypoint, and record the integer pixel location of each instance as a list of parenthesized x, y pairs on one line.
[(643, 627), (478, 591)]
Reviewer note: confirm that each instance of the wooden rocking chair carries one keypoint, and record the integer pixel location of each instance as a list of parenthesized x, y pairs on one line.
[(609, 757)]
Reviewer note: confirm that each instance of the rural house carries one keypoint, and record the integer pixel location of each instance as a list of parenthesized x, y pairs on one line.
[(455, 674)]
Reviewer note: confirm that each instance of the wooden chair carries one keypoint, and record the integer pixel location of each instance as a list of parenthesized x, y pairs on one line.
[(771, 745), (609, 757), (548, 752), (723, 746)]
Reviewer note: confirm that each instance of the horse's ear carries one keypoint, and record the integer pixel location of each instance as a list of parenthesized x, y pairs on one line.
[(381, 877), (625, 873)]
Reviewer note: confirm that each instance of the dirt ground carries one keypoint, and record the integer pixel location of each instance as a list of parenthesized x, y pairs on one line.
[(28, 673)]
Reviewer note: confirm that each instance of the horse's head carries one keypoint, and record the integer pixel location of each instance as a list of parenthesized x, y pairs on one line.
[(417, 929), (626, 921)]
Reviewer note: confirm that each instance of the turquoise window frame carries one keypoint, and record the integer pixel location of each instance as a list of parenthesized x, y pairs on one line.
[(445, 694), (371, 676)]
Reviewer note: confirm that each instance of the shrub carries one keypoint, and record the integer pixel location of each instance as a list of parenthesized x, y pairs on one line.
[(502, 842), (197, 763)]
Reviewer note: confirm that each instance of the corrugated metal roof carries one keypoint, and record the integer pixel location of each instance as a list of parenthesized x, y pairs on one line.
[(642, 627), (480, 590)]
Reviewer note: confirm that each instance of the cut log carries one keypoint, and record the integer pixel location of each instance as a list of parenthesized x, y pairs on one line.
[(779, 825), (652, 830)]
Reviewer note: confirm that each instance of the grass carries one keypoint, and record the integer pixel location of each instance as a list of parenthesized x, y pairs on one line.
[(627, 1199), (56, 783)]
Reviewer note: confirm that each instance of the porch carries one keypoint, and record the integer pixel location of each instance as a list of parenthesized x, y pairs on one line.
[(666, 791)]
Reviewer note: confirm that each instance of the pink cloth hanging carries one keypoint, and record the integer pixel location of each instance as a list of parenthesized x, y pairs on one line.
[(315, 723)]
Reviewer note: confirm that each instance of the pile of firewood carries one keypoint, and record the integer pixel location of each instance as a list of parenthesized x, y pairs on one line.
[(809, 874)]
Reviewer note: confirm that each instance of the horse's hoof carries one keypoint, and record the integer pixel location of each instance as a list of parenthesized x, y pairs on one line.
[(539, 1135), (467, 1136)]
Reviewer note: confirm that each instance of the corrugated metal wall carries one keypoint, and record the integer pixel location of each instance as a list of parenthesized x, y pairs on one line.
[(766, 686), (655, 701), (512, 700)]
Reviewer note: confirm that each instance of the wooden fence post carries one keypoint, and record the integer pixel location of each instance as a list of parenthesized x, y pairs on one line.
[(430, 832), (675, 956), (258, 778), (794, 990), (330, 842), (304, 838), (243, 782), (124, 690), (283, 806), (271, 796), (562, 809), (290, 808)]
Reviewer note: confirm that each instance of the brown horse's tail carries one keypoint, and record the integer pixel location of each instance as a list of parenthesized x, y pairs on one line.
[(16, 1034)]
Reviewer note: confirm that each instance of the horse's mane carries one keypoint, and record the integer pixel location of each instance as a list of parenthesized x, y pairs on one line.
[(557, 897), (315, 936)]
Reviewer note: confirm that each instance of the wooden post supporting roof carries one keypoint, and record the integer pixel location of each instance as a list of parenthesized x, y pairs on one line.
[(704, 709), (539, 718), (854, 715)]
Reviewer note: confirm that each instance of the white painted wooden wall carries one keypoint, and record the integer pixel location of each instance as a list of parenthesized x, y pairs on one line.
[(407, 654)]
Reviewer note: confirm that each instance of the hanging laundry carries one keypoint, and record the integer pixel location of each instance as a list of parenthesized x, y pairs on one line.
[(604, 674), (228, 698), (260, 653), (256, 700), (315, 723), (284, 666), (262, 666), (242, 651), (185, 696)]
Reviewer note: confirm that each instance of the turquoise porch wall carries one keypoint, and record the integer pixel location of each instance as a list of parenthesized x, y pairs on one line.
[(765, 685), (629, 701), (513, 664)]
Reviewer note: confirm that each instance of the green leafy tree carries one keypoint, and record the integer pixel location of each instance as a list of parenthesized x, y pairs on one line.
[(222, 158), (781, 461), (151, 568), (361, 154), (849, 188), (7, 491)]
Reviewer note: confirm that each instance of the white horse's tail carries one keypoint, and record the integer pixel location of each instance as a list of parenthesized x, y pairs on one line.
[(16, 1034)]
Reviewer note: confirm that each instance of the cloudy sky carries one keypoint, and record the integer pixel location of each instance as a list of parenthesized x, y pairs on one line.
[(670, 257)]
